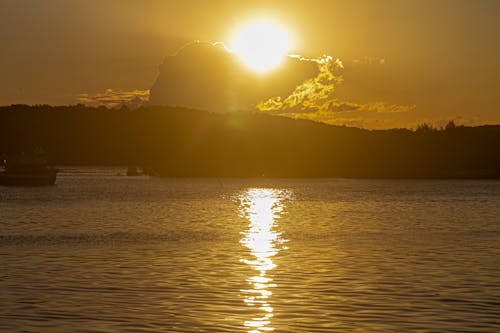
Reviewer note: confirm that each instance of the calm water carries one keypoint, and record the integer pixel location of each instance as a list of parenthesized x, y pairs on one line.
[(101, 252)]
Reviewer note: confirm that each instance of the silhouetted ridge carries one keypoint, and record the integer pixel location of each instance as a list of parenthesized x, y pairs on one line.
[(182, 142)]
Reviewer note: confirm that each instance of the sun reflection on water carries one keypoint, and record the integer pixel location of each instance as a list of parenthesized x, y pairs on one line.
[(261, 207)]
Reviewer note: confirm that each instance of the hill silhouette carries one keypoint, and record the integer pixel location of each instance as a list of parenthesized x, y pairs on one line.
[(178, 142)]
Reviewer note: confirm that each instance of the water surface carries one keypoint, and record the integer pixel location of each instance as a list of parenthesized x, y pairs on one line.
[(101, 252)]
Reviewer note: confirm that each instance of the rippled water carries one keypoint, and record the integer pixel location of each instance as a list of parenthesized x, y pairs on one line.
[(101, 252)]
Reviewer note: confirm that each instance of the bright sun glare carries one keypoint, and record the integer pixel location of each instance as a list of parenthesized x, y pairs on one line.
[(261, 45)]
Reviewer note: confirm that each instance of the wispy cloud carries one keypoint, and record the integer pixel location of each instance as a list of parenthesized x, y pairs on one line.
[(380, 107), (209, 76), (369, 61), (314, 99), (362, 117), (311, 93), (116, 98)]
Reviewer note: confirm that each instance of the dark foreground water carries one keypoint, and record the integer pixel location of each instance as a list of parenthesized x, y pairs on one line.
[(101, 252)]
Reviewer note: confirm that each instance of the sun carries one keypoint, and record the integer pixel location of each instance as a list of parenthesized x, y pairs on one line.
[(261, 45)]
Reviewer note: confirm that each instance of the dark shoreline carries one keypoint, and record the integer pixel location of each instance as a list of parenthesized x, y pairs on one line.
[(177, 142)]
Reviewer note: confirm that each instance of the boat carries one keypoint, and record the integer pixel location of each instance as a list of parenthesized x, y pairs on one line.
[(24, 170), (132, 171)]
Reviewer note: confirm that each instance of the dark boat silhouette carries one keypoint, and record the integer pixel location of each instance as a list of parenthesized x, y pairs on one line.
[(132, 171), (26, 170)]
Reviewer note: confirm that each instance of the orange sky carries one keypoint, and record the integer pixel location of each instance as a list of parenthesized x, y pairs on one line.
[(437, 60)]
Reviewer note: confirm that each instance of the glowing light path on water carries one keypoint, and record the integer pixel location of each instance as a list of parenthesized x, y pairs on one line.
[(261, 207)]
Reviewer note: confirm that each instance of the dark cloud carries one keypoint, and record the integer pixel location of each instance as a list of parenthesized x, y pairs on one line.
[(208, 76)]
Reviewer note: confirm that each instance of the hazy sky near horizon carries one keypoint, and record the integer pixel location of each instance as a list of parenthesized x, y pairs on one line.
[(440, 56)]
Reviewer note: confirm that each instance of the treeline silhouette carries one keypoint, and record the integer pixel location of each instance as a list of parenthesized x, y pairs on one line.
[(177, 142)]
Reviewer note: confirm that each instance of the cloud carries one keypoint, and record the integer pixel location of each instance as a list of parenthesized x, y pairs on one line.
[(116, 98), (380, 107), (314, 99), (368, 61), (370, 115), (311, 92), (362, 118), (209, 76)]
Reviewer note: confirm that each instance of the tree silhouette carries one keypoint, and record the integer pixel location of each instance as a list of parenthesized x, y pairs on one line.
[(181, 142)]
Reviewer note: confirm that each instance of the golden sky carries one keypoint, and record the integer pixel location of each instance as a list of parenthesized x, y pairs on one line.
[(421, 60)]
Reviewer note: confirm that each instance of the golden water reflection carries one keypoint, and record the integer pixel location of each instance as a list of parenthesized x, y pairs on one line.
[(262, 208)]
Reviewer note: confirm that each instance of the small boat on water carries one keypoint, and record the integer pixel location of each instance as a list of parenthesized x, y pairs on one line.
[(132, 171), (27, 171)]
